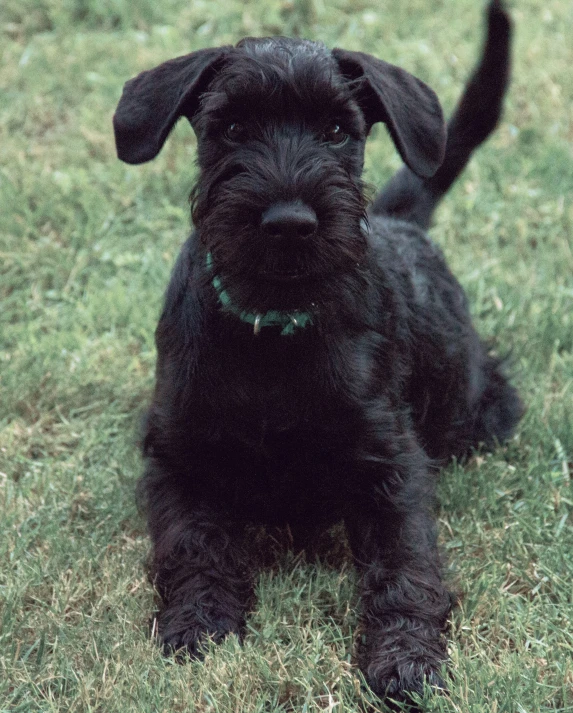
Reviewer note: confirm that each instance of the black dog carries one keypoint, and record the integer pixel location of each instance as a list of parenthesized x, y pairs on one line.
[(314, 360)]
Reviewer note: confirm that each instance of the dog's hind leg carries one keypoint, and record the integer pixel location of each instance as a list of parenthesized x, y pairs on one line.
[(498, 410)]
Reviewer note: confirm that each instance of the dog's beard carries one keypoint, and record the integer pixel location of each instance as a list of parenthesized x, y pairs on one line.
[(260, 274)]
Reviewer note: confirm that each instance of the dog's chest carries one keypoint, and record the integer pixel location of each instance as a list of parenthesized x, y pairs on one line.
[(270, 386), (284, 417)]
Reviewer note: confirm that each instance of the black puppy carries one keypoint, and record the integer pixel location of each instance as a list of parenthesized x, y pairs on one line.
[(314, 358)]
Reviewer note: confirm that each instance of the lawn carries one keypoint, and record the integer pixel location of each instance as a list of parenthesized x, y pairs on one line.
[(86, 247)]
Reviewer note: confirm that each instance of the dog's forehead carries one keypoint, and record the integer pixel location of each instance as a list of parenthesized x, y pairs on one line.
[(258, 69)]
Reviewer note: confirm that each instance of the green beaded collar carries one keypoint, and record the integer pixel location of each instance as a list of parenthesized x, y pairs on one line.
[(289, 321)]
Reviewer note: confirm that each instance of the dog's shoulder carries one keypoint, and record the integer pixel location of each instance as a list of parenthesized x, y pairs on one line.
[(183, 303)]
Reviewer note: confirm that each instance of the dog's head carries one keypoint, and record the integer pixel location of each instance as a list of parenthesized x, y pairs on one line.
[(281, 127)]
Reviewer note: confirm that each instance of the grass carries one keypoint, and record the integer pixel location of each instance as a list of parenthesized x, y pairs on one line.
[(86, 245)]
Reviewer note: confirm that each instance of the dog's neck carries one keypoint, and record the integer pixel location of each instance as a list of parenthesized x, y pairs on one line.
[(288, 321)]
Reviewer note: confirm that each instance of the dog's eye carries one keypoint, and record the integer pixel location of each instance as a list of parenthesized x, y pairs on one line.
[(334, 135), (234, 131)]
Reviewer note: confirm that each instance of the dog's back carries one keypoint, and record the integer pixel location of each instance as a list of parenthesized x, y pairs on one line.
[(398, 216)]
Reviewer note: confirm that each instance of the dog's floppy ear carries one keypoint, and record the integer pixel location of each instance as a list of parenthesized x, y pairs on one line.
[(408, 107), (152, 102)]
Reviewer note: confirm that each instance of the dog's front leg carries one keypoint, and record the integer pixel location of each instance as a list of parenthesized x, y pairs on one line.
[(404, 604), (199, 568)]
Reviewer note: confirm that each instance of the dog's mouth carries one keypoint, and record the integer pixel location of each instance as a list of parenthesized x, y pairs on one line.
[(287, 269), (287, 275)]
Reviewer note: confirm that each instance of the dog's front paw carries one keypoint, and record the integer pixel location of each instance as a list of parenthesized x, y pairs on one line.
[(181, 630), (397, 681)]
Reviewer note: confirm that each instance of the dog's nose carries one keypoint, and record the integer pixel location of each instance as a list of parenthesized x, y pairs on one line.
[(293, 219)]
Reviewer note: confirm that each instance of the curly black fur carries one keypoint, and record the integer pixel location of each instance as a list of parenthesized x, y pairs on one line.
[(345, 418)]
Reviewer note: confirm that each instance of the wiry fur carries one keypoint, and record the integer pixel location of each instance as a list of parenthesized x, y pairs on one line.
[(344, 419)]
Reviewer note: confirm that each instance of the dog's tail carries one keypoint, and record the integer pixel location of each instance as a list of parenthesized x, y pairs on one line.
[(409, 197)]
